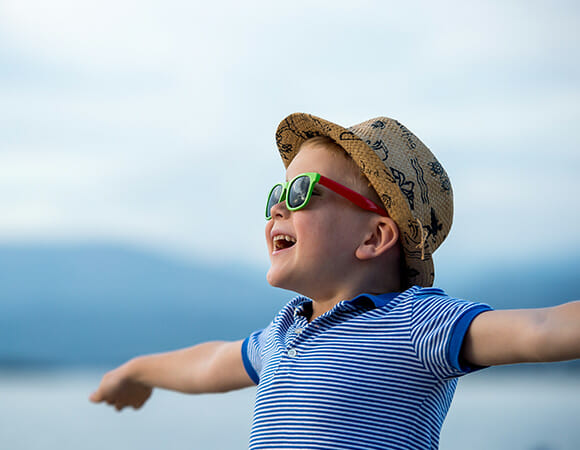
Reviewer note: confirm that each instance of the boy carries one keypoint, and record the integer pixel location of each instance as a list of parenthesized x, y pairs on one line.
[(368, 355)]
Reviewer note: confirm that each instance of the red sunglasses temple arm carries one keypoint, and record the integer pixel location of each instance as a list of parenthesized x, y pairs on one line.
[(353, 196)]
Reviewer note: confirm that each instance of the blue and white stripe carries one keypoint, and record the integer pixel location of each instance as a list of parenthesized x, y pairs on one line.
[(375, 372)]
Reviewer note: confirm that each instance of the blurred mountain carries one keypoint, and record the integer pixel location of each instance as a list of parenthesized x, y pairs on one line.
[(505, 285), (99, 304), (103, 304)]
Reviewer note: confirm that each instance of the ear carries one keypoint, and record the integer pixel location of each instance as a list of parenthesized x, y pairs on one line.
[(383, 235)]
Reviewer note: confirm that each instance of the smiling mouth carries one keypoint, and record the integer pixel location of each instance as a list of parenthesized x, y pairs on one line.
[(283, 241)]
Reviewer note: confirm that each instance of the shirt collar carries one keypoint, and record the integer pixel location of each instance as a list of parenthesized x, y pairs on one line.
[(377, 300), (303, 305)]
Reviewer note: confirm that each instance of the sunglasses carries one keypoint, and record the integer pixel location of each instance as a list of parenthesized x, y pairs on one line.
[(298, 191)]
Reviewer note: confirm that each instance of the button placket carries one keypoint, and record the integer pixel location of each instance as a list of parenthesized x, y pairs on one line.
[(300, 324)]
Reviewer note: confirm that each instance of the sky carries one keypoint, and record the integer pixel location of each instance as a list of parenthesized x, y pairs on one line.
[(152, 123)]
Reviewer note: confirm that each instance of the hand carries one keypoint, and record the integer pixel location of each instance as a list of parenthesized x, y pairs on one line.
[(119, 390)]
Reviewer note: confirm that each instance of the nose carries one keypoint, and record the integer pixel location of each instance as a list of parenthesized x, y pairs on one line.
[(279, 210)]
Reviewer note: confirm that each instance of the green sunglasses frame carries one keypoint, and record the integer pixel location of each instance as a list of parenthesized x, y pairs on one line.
[(356, 198)]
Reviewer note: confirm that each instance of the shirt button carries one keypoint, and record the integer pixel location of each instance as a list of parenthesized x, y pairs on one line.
[(299, 330), (292, 353)]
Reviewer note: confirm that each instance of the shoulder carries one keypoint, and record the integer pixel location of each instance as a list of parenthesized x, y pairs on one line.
[(417, 299), (433, 311), (439, 323), (434, 299)]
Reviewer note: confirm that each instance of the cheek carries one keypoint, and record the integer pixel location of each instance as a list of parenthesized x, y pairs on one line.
[(334, 232), (314, 230)]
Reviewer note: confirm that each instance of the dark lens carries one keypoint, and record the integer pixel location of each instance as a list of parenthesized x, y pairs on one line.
[(298, 192), (274, 198)]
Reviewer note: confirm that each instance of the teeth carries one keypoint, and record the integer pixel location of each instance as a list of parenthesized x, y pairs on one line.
[(284, 237), (282, 241)]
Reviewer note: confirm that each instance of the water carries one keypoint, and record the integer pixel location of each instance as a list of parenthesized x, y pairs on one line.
[(50, 411), (515, 411)]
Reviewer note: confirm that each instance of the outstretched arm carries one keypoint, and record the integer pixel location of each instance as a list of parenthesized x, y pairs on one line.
[(524, 335), (208, 367)]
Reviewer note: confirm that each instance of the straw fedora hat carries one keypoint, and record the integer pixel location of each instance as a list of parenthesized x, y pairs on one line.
[(411, 183)]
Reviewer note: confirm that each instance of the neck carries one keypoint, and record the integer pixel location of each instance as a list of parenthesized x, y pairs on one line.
[(320, 307), (324, 300)]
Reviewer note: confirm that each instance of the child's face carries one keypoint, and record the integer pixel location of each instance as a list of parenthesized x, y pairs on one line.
[(325, 233)]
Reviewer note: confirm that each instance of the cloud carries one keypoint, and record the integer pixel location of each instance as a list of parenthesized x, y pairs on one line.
[(154, 122)]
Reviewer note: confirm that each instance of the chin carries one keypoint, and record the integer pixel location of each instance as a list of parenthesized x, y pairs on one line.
[(272, 279), (275, 280)]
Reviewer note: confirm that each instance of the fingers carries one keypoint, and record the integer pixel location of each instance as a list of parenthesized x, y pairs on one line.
[(121, 392), (120, 406), (96, 397), (120, 402)]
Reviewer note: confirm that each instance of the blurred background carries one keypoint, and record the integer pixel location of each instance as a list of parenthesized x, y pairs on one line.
[(137, 148)]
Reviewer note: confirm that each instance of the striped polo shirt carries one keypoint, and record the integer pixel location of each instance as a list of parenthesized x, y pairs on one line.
[(375, 372)]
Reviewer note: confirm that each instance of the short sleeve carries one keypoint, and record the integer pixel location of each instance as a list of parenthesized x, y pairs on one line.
[(439, 325), (251, 354)]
